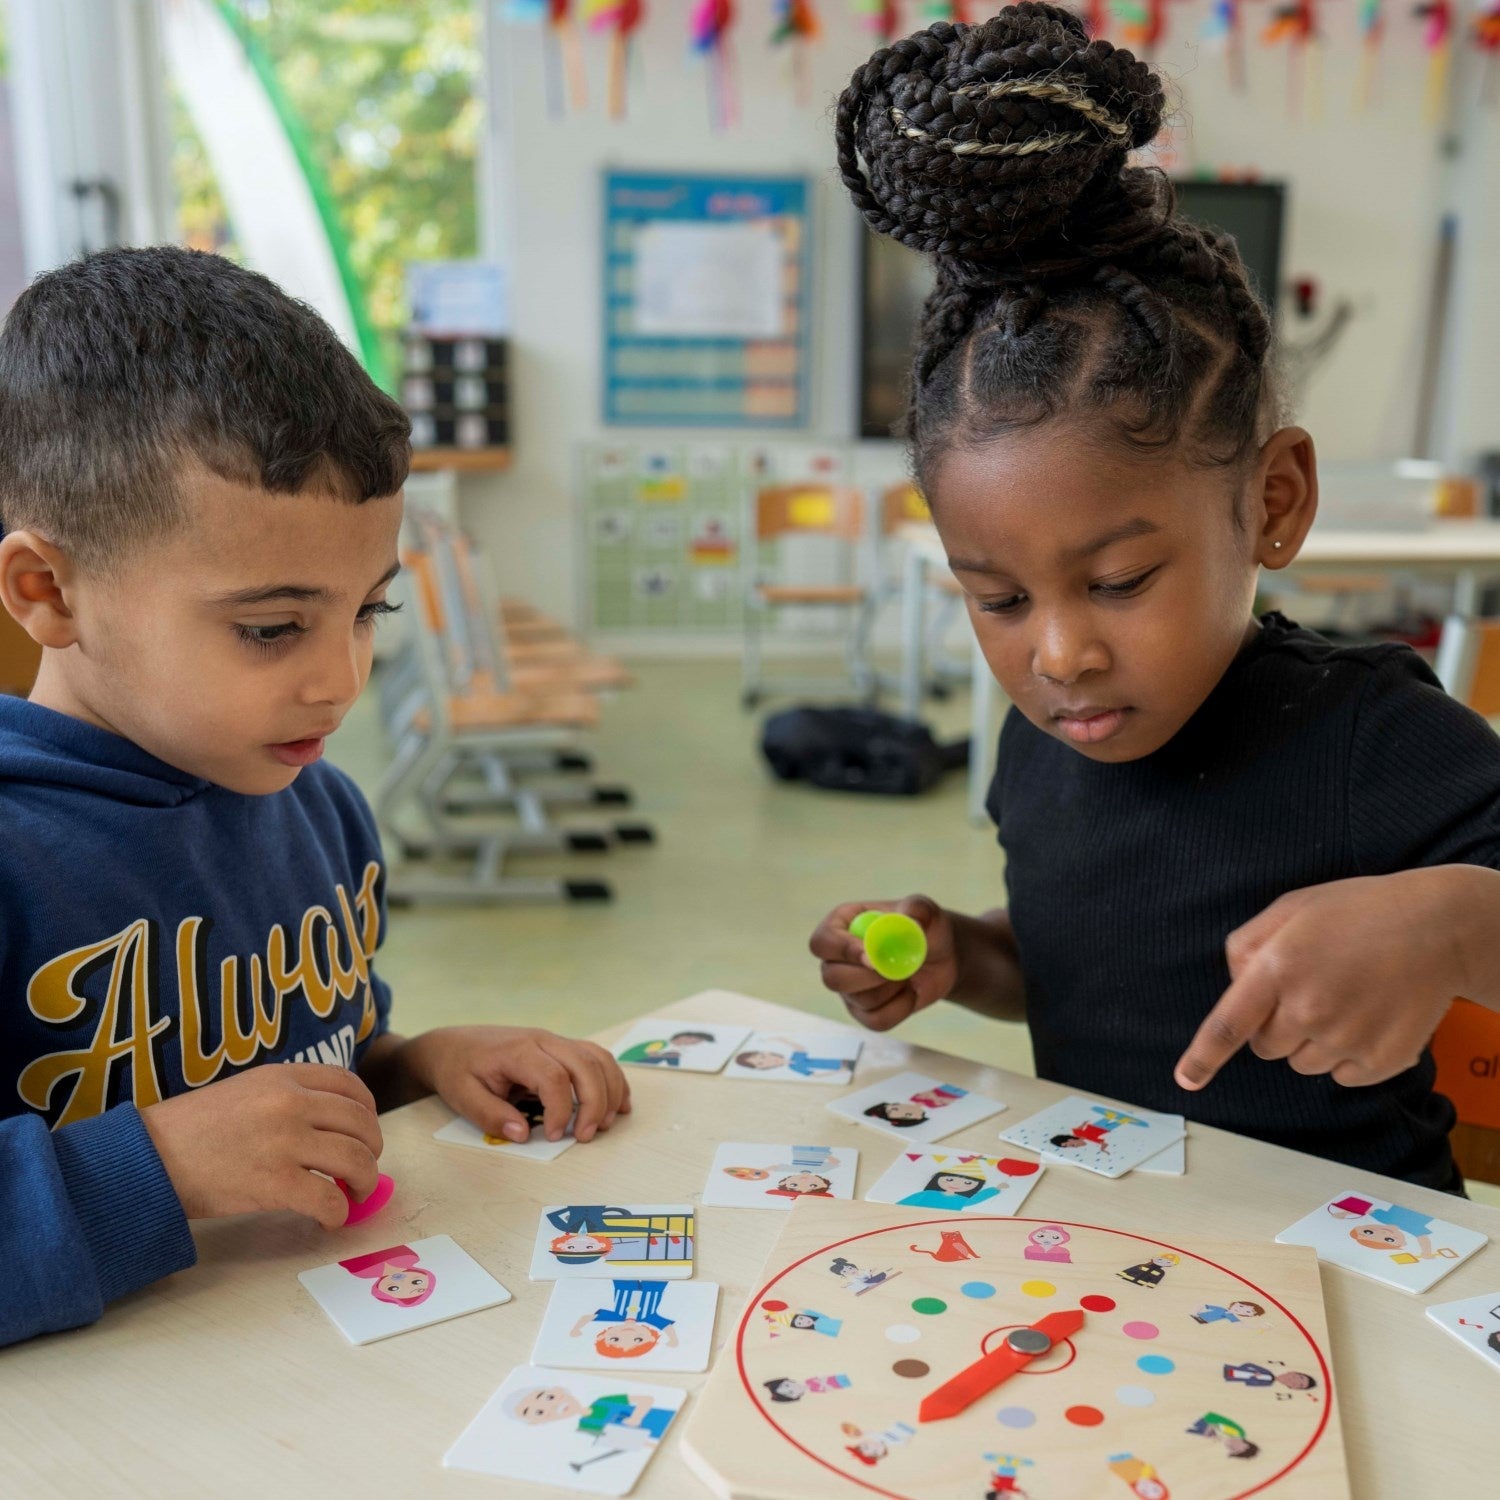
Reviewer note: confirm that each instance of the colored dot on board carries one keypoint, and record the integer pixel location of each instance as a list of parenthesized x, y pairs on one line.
[(977, 1289), (1084, 1416), (1097, 1304), (1015, 1416), (1140, 1330), (903, 1333), (1134, 1395), (773, 1306), (1038, 1288), (1155, 1364), (913, 1369), (929, 1305)]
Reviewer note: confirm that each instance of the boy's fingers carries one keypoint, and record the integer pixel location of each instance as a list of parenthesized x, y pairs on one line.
[(346, 1160), (884, 1016), (481, 1106), (923, 910), (1314, 1057), (552, 1084), (332, 1080), (335, 1113), (592, 1091), (319, 1199), (1242, 1010)]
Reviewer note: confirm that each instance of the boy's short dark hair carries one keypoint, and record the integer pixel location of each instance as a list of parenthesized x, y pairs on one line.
[(119, 369)]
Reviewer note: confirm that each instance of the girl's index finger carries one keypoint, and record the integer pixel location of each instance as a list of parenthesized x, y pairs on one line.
[(1242, 1010)]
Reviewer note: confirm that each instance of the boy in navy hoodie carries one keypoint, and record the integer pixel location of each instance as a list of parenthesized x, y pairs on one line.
[(200, 492)]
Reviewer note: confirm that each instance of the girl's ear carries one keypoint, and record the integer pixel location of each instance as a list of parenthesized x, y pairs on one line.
[(35, 581), (1284, 496)]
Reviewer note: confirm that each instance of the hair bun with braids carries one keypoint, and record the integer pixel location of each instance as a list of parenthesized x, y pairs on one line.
[(1001, 147)]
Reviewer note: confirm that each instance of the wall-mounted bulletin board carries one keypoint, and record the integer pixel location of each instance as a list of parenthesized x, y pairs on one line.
[(705, 301), (664, 542)]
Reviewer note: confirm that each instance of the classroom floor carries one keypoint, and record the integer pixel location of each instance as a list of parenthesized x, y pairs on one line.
[(743, 869)]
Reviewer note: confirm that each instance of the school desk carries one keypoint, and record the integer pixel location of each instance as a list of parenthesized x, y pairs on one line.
[(1467, 553), (227, 1380)]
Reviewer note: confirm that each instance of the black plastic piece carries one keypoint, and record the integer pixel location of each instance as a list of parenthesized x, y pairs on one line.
[(569, 760), (588, 843), (613, 796), (635, 833), (587, 890)]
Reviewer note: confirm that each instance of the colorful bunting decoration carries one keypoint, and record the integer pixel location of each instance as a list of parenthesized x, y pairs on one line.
[(709, 23), (882, 17), (620, 19), (1437, 38), (1486, 37), (1371, 34), (1225, 27), (797, 27), (1295, 25)]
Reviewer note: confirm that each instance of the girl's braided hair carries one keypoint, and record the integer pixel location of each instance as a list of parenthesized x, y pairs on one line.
[(1065, 280)]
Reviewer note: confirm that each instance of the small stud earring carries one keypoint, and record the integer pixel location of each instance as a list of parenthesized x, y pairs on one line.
[(1276, 545)]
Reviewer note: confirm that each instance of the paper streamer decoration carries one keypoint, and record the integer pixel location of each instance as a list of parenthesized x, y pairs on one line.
[(883, 17), (1437, 38), (620, 19), (1371, 34), (1295, 25), (709, 23), (797, 27), (1225, 28), (1097, 18), (563, 55), (1486, 37)]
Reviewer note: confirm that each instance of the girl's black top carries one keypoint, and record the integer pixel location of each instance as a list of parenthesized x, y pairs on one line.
[(1309, 762)]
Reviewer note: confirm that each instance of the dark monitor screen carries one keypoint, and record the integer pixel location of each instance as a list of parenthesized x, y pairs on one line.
[(894, 283)]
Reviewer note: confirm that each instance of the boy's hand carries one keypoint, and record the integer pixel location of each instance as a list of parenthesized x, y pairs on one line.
[(257, 1141), (475, 1070), (1349, 978), (882, 1003)]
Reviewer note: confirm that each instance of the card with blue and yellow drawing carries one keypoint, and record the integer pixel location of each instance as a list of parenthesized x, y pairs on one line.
[(912, 1107), (746, 1175), (385, 1292), (806, 1057), (956, 1182), (656, 1240), (680, 1046), (1104, 1138), (628, 1324), (588, 1433), (1403, 1247)]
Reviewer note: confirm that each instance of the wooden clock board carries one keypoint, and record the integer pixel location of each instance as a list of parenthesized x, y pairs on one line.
[(1200, 1372)]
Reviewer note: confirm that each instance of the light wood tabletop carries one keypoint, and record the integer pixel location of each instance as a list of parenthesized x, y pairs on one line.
[(228, 1380)]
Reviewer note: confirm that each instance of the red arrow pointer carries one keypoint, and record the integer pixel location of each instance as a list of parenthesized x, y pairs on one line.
[(1018, 1348)]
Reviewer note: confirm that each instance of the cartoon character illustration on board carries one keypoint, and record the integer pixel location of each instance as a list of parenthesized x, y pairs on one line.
[(1050, 1242), (1150, 1273), (1224, 1430), (634, 1324), (785, 1388)]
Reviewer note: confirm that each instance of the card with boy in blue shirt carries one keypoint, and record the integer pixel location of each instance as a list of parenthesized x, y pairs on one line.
[(200, 491)]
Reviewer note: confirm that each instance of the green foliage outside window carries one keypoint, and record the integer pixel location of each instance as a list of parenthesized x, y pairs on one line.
[(386, 93)]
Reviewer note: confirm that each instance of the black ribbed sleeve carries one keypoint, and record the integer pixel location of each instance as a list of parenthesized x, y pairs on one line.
[(1309, 762)]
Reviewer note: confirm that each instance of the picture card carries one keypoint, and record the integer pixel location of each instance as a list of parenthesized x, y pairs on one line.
[(588, 1433), (750, 1176), (1474, 1321), (956, 1182), (639, 1325), (912, 1107), (1172, 1162), (801, 1057), (536, 1147), (594, 1240), (1403, 1247), (1102, 1138), (682, 1046), (402, 1287)]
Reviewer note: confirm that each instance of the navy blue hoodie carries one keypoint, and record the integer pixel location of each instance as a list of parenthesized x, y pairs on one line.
[(157, 933)]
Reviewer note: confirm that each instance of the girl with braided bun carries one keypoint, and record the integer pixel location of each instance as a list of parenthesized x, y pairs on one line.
[(1247, 869)]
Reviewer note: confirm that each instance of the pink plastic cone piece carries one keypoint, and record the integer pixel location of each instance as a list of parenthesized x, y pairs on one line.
[(359, 1212)]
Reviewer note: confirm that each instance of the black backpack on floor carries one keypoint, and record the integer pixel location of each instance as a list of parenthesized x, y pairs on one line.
[(857, 750)]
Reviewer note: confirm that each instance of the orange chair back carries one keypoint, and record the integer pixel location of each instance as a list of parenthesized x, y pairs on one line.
[(902, 505), (1484, 689), (834, 510), (1467, 1051)]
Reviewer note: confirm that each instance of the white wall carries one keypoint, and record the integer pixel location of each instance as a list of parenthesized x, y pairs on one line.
[(1366, 191)]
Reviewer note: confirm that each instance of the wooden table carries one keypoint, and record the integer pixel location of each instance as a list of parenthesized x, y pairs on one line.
[(227, 1380)]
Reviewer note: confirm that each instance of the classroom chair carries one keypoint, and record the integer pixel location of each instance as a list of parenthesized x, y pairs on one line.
[(833, 514), (453, 712)]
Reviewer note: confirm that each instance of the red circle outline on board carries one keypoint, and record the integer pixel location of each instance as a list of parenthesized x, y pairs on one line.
[(1026, 1369), (753, 1304)]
